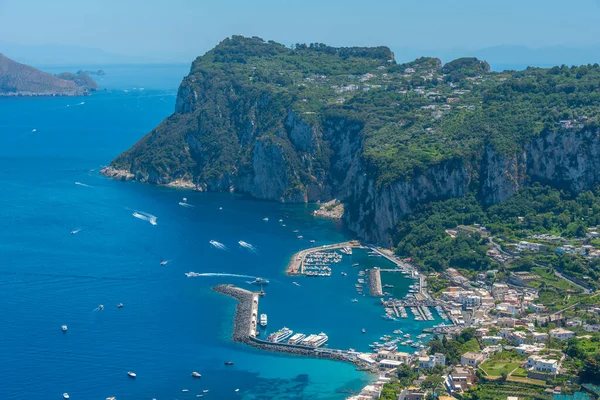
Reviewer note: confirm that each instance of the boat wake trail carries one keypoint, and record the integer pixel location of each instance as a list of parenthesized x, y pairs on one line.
[(248, 246), (82, 184), (218, 245), (144, 216), (217, 274), (183, 204)]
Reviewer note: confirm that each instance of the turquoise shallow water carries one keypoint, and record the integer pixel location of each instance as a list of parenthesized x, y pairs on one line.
[(170, 325)]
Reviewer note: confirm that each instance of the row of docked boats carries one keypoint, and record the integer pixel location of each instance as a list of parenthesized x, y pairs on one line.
[(298, 339)]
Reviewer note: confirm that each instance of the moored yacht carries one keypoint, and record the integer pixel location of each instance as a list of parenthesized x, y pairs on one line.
[(280, 335)]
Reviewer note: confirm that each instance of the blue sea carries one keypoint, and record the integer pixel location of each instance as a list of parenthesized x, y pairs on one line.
[(69, 242)]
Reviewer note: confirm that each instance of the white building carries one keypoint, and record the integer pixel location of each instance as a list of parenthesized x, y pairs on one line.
[(561, 334), (541, 364), (472, 359)]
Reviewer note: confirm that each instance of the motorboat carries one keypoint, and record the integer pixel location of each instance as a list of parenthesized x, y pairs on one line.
[(364, 330), (65, 395), (228, 362), (263, 320), (64, 328), (260, 281), (355, 300), (131, 374), (196, 375), (120, 305), (164, 262)]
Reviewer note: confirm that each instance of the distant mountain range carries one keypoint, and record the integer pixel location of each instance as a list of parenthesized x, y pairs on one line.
[(22, 80)]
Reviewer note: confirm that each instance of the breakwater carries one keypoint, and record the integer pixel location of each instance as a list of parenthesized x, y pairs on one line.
[(246, 311), (245, 327), (374, 276)]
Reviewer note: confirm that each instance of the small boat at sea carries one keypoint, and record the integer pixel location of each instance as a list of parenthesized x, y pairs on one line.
[(101, 307), (364, 330), (280, 220), (184, 390), (131, 374), (312, 240), (300, 237), (65, 395), (164, 262), (355, 300), (196, 375), (344, 274), (266, 219), (260, 281), (64, 328), (355, 265), (228, 362), (120, 305)]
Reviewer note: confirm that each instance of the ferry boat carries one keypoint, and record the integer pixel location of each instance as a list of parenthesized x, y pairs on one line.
[(131, 374), (64, 328), (260, 281), (263, 319), (306, 340), (297, 338), (317, 340), (280, 335)]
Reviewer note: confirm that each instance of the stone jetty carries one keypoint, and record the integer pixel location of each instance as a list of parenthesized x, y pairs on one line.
[(374, 276), (245, 328)]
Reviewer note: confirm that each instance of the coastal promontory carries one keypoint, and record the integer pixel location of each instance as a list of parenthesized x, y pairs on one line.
[(22, 80), (312, 123)]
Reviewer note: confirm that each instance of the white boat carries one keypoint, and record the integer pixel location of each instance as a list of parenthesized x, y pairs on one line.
[(263, 319), (64, 328), (100, 307), (297, 338), (260, 281), (65, 395), (196, 374), (355, 300), (120, 305), (312, 240), (300, 237), (266, 219), (236, 390), (164, 262), (131, 374), (344, 274), (280, 335), (184, 390)]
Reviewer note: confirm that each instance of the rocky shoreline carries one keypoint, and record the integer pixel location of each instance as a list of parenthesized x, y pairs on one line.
[(114, 173), (332, 209)]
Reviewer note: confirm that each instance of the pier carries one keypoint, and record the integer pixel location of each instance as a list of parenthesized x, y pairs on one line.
[(375, 282), (296, 264)]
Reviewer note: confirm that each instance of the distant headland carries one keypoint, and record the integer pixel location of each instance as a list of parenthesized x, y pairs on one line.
[(23, 80)]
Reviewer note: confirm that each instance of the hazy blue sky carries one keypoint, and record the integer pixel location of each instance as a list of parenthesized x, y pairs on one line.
[(185, 28)]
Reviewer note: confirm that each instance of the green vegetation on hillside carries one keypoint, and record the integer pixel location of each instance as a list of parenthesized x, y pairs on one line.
[(535, 210), (412, 115)]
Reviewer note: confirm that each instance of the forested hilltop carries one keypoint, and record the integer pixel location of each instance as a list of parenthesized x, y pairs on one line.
[(314, 122)]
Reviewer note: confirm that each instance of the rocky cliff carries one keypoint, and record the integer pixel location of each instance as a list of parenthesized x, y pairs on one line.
[(317, 123)]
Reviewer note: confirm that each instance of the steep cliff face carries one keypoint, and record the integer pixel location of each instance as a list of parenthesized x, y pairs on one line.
[(568, 159), (320, 123), (374, 212)]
